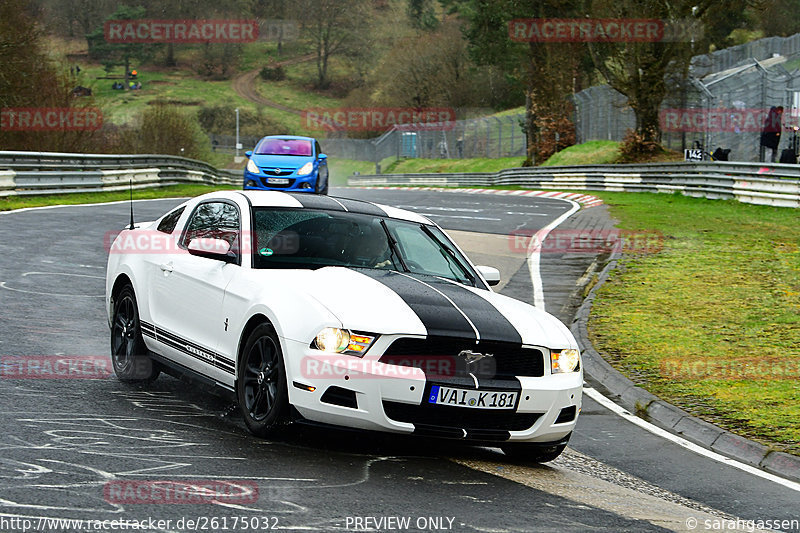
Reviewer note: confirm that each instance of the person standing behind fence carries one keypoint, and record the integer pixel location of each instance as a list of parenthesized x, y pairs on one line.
[(771, 134)]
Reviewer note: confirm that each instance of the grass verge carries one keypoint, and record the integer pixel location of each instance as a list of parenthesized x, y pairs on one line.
[(173, 191), (711, 323), (588, 153), (407, 166)]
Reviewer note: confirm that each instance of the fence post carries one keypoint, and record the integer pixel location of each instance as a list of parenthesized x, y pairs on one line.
[(488, 137), (499, 136), (512, 135)]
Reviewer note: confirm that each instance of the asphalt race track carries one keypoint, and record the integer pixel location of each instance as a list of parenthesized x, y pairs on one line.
[(66, 442)]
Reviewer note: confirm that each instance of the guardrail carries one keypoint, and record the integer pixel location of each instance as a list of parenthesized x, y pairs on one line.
[(754, 183), (31, 173)]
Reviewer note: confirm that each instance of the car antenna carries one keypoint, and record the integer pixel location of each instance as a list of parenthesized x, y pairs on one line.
[(130, 184)]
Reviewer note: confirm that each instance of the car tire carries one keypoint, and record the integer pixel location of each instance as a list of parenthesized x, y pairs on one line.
[(533, 453), (261, 383), (324, 189), (129, 356)]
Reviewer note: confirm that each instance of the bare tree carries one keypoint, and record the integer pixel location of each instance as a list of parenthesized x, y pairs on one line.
[(335, 27), (639, 70)]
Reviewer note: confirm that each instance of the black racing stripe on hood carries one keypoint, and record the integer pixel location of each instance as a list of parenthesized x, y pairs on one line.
[(490, 323), (317, 201), (436, 313)]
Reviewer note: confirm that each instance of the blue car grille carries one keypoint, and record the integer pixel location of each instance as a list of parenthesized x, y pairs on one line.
[(277, 171)]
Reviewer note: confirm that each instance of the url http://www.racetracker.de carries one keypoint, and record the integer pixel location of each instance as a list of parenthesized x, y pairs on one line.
[(198, 523)]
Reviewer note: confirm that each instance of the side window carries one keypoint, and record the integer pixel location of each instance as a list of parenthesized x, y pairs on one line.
[(318, 148), (217, 220), (422, 251), (168, 223)]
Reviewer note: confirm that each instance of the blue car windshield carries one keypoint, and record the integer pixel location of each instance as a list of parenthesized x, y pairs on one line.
[(309, 239), (284, 147)]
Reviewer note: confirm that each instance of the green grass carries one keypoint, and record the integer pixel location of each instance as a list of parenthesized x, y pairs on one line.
[(173, 191), (180, 87), (711, 322), (258, 54), (290, 94), (588, 153), (341, 169), (409, 166)]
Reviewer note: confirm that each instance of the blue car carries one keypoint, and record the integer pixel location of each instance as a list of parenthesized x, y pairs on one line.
[(287, 163)]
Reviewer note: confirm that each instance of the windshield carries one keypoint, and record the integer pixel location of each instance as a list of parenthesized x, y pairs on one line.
[(284, 147), (292, 238)]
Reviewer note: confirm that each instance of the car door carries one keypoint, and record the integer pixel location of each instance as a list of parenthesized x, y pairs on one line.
[(186, 296)]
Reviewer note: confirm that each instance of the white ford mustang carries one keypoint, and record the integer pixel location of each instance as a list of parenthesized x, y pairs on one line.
[(339, 311)]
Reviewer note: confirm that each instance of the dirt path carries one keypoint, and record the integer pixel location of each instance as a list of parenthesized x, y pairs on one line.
[(245, 86)]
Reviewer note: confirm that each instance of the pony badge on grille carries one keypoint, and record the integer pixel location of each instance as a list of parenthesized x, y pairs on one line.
[(473, 357)]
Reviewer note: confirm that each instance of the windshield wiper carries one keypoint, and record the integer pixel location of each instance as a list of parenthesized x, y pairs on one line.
[(450, 255), (393, 245)]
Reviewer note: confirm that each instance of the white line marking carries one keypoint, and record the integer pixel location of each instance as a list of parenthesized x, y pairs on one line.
[(680, 441), (458, 216), (4, 286), (23, 209), (534, 252), (24, 274)]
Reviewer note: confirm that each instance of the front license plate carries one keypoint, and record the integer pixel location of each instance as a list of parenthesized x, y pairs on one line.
[(278, 181), (474, 399)]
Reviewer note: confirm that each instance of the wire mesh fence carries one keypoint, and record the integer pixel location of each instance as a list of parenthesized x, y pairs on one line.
[(487, 137), (724, 102)]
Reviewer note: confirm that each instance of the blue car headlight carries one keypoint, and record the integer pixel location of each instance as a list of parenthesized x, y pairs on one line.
[(252, 167), (306, 169)]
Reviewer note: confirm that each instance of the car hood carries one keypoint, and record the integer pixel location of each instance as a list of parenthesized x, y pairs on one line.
[(388, 302), (288, 161)]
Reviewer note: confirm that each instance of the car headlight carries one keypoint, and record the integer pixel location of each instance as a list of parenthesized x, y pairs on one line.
[(252, 167), (338, 340), (306, 169), (562, 361)]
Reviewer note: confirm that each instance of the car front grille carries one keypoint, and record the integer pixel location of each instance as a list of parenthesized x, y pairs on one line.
[(439, 357), (277, 172)]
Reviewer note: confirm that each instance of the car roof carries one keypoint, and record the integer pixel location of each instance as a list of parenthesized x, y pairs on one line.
[(316, 201), (293, 137)]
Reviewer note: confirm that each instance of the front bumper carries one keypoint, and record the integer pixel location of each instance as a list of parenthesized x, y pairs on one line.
[(367, 394), (293, 182)]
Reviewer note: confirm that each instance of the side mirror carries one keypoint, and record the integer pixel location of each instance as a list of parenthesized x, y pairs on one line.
[(490, 274), (248, 153), (322, 156), (209, 248)]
